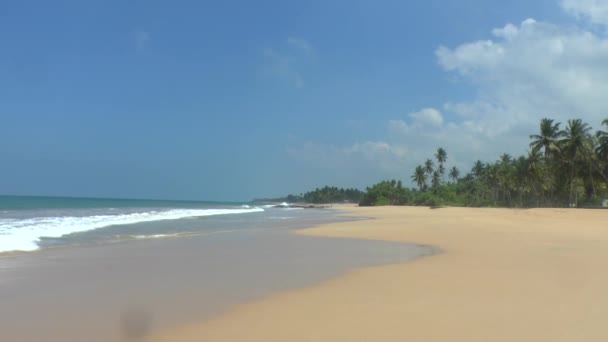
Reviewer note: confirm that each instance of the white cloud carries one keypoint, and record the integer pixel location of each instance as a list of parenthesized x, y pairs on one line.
[(428, 116), (521, 74), (530, 71), (527, 72), (596, 11)]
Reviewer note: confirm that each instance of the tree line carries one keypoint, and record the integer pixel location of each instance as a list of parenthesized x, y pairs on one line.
[(327, 194), (566, 166)]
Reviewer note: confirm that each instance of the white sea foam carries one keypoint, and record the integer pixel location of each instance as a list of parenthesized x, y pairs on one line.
[(24, 234), (155, 236)]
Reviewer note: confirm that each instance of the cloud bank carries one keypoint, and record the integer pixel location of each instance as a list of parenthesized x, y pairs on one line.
[(595, 11)]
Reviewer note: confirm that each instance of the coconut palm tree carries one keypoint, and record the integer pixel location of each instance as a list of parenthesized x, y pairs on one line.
[(454, 173), (503, 176), (477, 169), (429, 167), (539, 181), (505, 158), (601, 151), (419, 177), (441, 156), (576, 147), (436, 180), (548, 137)]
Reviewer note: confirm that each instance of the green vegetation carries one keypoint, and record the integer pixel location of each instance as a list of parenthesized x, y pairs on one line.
[(386, 193), (323, 195), (564, 167)]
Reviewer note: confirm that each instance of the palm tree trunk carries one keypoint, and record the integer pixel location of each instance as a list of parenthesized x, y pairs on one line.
[(591, 177), (571, 184)]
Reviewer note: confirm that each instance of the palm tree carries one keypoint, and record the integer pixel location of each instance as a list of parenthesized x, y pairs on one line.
[(602, 139), (522, 180), (454, 173), (503, 173), (441, 157), (540, 182), (428, 167), (477, 169), (505, 158), (601, 151), (419, 177), (534, 159), (436, 180), (548, 137), (576, 146)]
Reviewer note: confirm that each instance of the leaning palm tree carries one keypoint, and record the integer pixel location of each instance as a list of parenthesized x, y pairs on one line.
[(454, 173), (441, 156), (429, 167), (548, 137), (576, 147), (419, 177)]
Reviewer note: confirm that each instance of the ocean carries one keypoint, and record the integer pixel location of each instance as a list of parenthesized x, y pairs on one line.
[(30, 223)]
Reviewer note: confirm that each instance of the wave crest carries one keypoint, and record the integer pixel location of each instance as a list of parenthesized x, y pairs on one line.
[(24, 234)]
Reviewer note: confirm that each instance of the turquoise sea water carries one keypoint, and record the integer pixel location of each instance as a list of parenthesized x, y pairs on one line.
[(44, 202), (30, 223)]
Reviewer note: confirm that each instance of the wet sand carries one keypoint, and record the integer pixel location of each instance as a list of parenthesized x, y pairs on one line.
[(505, 275), (123, 291)]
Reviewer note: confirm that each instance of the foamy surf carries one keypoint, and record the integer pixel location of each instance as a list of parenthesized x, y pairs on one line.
[(153, 236), (25, 234)]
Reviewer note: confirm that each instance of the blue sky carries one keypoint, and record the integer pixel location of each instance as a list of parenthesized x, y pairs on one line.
[(236, 99)]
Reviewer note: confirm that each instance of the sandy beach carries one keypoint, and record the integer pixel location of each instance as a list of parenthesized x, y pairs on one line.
[(504, 275)]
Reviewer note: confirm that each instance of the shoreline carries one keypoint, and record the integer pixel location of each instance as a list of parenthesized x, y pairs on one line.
[(89, 292), (504, 274)]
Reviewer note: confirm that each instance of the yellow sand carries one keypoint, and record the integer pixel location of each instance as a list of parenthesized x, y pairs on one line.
[(505, 275)]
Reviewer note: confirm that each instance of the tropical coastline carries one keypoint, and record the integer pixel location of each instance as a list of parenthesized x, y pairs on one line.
[(304, 171), (504, 275)]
